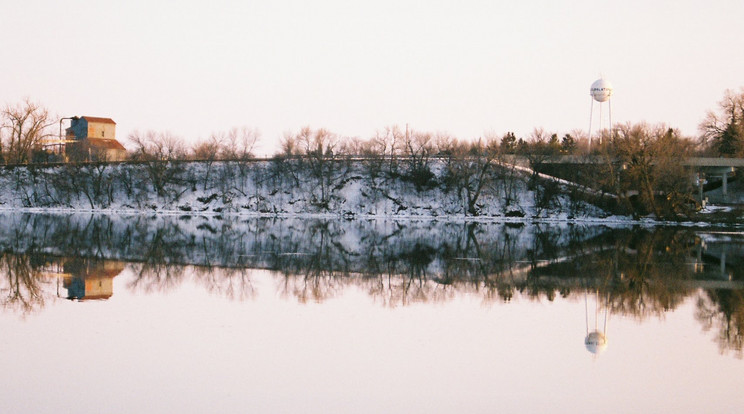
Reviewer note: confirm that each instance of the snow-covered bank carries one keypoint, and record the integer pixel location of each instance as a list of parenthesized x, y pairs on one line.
[(287, 188), (358, 189)]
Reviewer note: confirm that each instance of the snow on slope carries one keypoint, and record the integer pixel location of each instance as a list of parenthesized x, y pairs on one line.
[(272, 188)]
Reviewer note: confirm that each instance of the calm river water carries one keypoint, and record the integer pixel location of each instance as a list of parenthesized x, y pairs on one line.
[(154, 314)]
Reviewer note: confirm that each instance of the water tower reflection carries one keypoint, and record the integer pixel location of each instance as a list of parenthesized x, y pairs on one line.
[(596, 340)]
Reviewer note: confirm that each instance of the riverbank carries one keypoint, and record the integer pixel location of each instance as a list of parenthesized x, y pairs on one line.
[(294, 188)]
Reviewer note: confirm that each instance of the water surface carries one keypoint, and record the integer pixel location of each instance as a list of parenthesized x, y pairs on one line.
[(175, 314)]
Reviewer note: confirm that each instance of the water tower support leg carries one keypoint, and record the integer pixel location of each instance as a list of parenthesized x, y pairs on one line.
[(591, 114)]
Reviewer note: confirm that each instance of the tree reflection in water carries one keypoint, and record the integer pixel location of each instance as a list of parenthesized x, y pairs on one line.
[(231, 283), (723, 311), (642, 272), (22, 283), (156, 277)]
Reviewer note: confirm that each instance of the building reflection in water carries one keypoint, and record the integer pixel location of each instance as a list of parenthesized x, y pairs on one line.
[(86, 279)]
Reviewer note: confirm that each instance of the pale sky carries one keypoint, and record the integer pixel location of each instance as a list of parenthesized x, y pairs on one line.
[(467, 68)]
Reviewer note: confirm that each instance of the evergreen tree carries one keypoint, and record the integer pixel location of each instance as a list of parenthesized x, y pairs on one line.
[(568, 144), (508, 143)]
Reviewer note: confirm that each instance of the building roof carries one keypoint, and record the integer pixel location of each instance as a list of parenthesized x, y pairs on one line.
[(99, 120), (107, 144)]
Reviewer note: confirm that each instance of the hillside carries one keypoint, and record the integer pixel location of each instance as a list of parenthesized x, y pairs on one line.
[(345, 188)]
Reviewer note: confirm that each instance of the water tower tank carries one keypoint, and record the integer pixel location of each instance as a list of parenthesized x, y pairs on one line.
[(595, 342), (601, 90)]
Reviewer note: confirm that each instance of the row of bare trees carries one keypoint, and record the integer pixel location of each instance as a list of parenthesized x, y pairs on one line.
[(640, 165), (26, 125), (421, 160)]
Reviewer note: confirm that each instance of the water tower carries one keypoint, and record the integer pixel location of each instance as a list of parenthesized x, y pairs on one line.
[(601, 92)]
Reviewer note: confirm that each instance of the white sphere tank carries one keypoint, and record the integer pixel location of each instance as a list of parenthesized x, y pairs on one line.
[(595, 342), (601, 90)]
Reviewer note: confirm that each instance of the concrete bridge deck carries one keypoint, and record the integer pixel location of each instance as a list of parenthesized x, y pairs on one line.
[(710, 166), (705, 162)]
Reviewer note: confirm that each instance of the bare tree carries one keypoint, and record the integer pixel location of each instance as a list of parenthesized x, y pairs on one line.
[(25, 125), (152, 145), (651, 166), (581, 141), (233, 147), (209, 149), (321, 151), (418, 149), (159, 150), (723, 131), (290, 145), (208, 152), (239, 143), (469, 169), (385, 148)]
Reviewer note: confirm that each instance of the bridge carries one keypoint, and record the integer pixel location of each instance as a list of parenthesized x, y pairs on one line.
[(710, 166)]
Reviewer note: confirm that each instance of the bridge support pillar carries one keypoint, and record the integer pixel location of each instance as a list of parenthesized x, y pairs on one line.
[(725, 185), (723, 264), (700, 183)]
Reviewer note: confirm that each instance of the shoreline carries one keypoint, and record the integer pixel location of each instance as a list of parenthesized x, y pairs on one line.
[(717, 217)]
